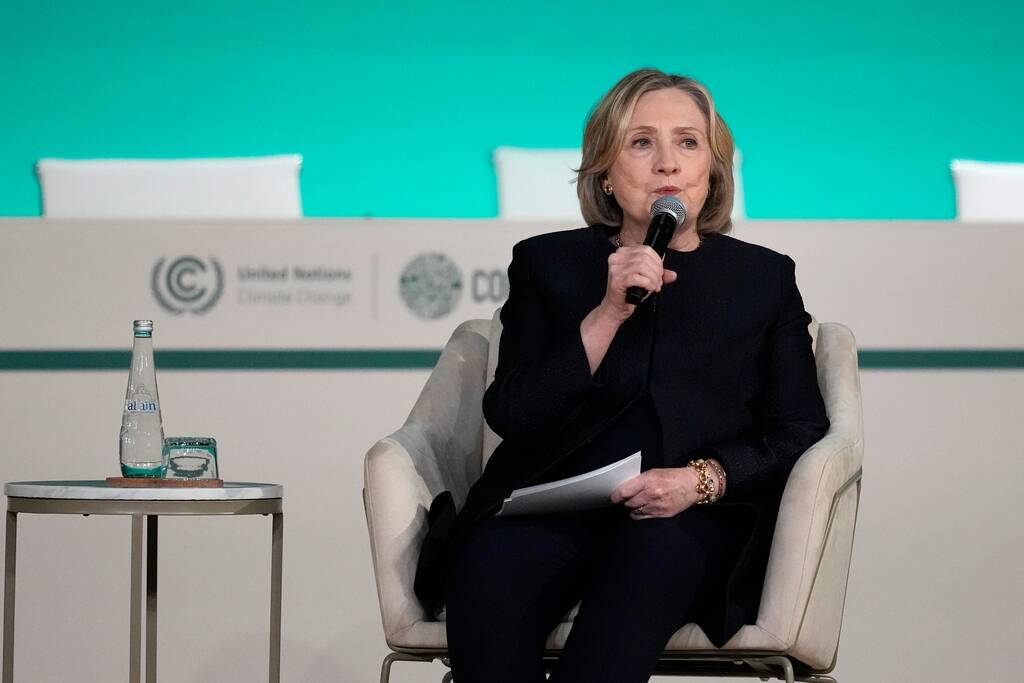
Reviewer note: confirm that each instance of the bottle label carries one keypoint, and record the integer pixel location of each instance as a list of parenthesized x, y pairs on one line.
[(133, 406)]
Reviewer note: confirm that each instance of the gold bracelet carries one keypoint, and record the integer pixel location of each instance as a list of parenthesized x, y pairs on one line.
[(705, 483)]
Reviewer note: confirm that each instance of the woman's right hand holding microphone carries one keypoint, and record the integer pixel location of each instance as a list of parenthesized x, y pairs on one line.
[(638, 266)]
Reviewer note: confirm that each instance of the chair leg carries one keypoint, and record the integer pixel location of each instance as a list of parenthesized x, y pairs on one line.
[(385, 667), (765, 664)]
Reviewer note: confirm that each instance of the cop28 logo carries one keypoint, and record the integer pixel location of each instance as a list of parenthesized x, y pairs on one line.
[(430, 285), (187, 284)]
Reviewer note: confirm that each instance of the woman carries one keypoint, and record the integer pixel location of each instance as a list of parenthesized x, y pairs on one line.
[(711, 377)]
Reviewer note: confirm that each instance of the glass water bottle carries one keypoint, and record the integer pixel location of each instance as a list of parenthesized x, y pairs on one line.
[(142, 432)]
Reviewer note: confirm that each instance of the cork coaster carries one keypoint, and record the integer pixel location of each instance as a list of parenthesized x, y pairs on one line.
[(154, 483)]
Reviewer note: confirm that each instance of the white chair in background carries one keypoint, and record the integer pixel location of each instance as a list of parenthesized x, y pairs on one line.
[(988, 191), (739, 207), (253, 187), (537, 184)]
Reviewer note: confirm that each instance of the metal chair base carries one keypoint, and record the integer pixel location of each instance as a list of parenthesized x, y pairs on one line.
[(764, 668)]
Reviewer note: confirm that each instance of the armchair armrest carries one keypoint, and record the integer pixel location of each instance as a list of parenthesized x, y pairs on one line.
[(811, 500), (437, 449)]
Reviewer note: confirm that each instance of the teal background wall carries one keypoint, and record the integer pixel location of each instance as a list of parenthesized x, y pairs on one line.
[(840, 113)]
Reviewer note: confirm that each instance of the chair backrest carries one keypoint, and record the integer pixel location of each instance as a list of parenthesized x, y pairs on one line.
[(988, 191), (491, 440), (256, 187), (538, 184), (739, 207)]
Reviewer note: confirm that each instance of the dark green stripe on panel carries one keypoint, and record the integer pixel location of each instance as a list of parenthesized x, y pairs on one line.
[(418, 359), (941, 359), (269, 359)]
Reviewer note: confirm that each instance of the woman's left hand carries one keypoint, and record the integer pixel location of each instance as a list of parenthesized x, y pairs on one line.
[(659, 493)]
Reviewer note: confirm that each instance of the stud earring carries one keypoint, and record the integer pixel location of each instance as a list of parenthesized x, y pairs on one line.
[(607, 188)]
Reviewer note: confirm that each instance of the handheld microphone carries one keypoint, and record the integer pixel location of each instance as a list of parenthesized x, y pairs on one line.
[(667, 214)]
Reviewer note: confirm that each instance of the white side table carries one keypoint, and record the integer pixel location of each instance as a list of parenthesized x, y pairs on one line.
[(100, 498)]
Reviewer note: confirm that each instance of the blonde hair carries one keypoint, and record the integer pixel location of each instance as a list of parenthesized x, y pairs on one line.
[(606, 131)]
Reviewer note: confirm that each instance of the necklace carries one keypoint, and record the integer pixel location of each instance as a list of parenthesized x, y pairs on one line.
[(618, 242)]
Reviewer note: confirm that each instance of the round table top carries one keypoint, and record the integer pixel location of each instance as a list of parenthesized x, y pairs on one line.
[(101, 490)]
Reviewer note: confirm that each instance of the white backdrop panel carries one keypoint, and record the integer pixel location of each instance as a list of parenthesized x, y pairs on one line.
[(339, 284), (934, 574)]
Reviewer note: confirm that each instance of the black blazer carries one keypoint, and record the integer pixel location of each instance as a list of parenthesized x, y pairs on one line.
[(724, 353)]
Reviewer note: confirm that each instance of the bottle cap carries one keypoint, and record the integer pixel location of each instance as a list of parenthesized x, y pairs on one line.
[(143, 325)]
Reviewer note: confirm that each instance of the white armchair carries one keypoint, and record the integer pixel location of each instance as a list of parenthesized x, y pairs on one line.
[(445, 442)]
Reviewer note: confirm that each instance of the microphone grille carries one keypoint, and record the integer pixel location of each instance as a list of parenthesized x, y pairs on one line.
[(669, 204)]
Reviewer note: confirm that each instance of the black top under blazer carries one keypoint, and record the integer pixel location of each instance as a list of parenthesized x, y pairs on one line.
[(724, 353)]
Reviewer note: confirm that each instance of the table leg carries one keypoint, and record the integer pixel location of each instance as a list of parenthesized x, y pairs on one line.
[(10, 563), (135, 621), (277, 542), (151, 575)]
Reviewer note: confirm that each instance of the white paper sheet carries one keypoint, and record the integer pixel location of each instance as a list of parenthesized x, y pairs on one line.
[(586, 491)]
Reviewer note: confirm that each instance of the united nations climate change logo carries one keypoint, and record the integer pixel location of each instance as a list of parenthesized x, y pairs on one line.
[(430, 285), (187, 284)]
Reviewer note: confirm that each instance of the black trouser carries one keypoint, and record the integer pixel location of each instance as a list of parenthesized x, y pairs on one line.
[(513, 579)]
